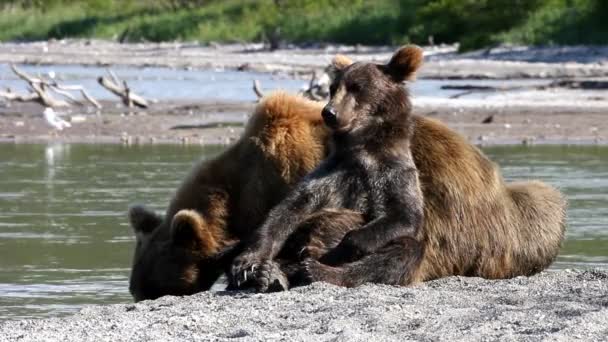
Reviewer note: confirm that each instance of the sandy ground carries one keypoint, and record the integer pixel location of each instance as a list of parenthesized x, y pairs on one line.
[(555, 306)]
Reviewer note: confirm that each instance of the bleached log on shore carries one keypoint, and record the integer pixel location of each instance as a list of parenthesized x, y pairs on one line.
[(41, 92), (128, 97)]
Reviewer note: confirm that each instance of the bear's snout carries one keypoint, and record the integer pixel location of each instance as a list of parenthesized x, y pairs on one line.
[(330, 117)]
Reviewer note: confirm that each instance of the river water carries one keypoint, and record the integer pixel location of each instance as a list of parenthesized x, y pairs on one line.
[(65, 241), (161, 83)]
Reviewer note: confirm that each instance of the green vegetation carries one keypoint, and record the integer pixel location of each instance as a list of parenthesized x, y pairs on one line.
[(473, 23)]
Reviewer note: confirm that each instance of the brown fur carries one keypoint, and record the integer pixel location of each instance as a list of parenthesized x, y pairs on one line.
[(223, 199), (475, 224), (369, 170)]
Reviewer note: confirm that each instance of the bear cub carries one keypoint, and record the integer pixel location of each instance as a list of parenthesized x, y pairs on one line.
[(370, 170)]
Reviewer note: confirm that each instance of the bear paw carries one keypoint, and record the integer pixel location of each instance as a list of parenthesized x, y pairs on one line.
[(243, 270), (268, 277), (315, 271)]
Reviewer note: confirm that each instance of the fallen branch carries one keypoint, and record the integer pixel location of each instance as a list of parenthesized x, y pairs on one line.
[(317, 89), (40, 88), (257, 89), (81, 89), (12, 96), (578, 84), (129, 98), (65, 94), (45, 98), (41, 92)]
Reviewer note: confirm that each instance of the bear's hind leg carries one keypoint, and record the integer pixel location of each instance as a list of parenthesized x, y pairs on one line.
[(319, 233), (393, 264), (313, 239)]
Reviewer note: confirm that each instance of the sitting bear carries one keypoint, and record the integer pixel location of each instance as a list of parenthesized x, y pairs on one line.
[(370, 171), (474, 224)]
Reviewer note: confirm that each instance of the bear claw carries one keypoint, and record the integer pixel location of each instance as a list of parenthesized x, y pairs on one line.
[(268, 277)]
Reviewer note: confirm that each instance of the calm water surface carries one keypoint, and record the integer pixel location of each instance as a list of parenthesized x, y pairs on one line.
[(65, 241), (180, 84)]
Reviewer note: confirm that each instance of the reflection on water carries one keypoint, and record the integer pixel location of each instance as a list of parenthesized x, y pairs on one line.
[(65, 241)]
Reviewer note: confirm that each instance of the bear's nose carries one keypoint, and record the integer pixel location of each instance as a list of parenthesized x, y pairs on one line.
[(330, 116)]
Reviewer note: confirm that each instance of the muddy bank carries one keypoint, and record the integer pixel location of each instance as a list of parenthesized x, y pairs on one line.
[(556, 306), (222, 123), (442, 61)]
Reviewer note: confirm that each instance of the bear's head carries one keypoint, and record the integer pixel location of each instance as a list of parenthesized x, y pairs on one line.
[(174, 257), (366, 98)]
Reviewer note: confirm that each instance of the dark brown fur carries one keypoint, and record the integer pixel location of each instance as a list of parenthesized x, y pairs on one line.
[(370, 170), (475, 223), (222, 200)]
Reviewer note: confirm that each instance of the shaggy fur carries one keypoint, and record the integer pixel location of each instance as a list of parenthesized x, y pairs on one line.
[(370, 171), (224, 199), (475, 224)]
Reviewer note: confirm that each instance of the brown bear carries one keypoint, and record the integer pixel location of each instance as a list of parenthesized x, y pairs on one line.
[(474, 225), (370, 170), (224, 198)]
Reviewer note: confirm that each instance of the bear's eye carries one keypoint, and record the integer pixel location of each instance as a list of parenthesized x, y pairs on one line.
[(332, 89)]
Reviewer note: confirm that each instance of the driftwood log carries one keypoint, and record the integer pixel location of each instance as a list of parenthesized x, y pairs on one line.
[(8, 94), (122, 90), (39, 87), (41, 91), (317, 89)]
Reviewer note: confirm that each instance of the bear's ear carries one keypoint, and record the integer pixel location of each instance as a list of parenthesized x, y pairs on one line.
[(405, 62), (338, 63), (143, 220), (189, 229)]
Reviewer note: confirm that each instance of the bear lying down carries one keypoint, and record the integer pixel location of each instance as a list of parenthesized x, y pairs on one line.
[(455, 214)]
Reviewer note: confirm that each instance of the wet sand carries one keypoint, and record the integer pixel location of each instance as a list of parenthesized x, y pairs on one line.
[(222, 123)]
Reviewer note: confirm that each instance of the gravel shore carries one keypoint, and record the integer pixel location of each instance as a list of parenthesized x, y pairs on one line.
[(553, 306), (442, 61), (222, 123)]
